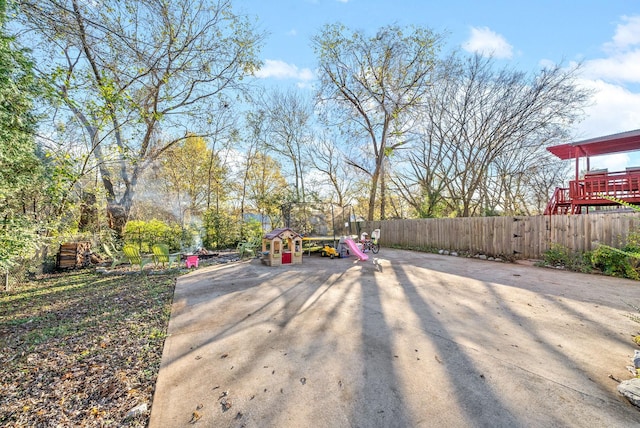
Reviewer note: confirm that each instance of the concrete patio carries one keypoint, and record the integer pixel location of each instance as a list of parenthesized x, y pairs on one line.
[(405, 339)]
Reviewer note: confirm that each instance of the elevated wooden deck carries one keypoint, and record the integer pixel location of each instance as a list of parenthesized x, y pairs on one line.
[(593, 190)]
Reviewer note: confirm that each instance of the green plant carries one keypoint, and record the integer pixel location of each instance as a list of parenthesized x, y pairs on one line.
[(560, 256), (221, 230), (622, 262), (614, 262), (144, 234), (556, 255), (253, 229)]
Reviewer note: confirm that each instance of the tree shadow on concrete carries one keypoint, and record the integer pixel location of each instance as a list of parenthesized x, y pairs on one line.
[(485, 398), (380, 400), (476, 397), (278, 303)]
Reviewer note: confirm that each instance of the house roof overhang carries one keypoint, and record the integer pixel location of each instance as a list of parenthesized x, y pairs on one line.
[(615, 143)]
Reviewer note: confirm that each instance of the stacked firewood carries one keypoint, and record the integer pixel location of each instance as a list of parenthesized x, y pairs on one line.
[(74, 255)]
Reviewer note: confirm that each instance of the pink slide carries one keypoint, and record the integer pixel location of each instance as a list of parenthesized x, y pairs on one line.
[(355, 250)]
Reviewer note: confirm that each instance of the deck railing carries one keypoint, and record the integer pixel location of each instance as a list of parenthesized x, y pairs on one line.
[(559, 202), (596, 186)]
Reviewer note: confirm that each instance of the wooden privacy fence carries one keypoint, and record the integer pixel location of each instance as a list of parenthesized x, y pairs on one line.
[(520, 237)]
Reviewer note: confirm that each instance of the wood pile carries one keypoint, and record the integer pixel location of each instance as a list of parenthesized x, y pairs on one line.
[(74, 255)]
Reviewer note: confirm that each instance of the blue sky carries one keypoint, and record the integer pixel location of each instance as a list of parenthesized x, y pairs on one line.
[(604, 35)]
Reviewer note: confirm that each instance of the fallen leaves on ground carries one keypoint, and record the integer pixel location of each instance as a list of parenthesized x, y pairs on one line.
[(82, 349)]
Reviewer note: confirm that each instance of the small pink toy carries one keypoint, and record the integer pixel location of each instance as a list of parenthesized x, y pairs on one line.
[(192, 261)]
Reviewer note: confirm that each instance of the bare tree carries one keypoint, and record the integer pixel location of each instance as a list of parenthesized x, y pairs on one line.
[(541, 179), (288, 116), (255, 139), (139, 76), (489, 115), (374, 81), (422, 171), (225, 133), (420, 182), (326, 157), (509, 187)]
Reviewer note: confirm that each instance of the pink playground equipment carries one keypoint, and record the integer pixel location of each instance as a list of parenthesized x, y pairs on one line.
[(366, 244), (191, 261), (353, 248)]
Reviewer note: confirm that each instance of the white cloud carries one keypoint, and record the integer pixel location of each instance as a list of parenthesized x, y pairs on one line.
[(615, 109), (622, 60), (547, 63), (627, 34), (624, 67), (616, 162), (488, 43), (282, 70)]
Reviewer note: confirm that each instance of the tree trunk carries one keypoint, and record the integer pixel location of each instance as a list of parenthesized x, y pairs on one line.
[(372, 195), (117, 215), (88, 212), (383, 194)]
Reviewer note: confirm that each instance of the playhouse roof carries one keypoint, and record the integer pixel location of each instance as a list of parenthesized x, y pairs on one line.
[(622, 142), (283, 233)]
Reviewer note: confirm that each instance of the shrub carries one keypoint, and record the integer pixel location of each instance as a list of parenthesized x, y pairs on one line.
[(145, 234), (614, 263), (620, 262), (557, 255), (560, 256), (252, 229), (221, 230)]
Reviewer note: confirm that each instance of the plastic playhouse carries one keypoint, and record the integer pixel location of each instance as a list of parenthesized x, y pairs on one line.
[(282, 246)]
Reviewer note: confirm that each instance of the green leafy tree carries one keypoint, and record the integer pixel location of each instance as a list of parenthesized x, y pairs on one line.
[(137, 77), (20, 168), (255, 138), (266, 187), (221, 230), (186, 173)]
